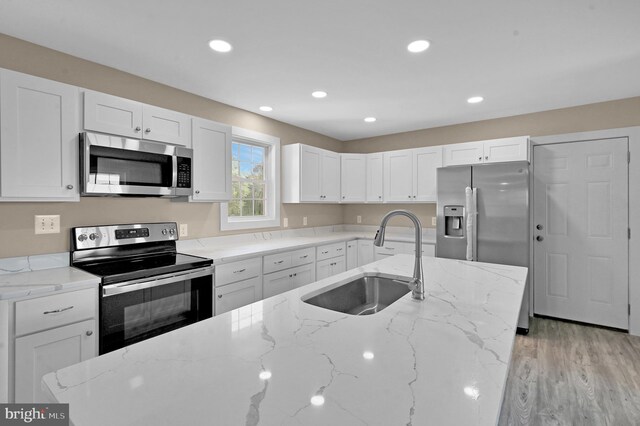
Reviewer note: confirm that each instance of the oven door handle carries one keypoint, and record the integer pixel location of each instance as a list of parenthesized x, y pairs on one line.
[(141, 284)]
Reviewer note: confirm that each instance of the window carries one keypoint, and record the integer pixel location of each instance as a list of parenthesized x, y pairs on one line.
[(255, 182)]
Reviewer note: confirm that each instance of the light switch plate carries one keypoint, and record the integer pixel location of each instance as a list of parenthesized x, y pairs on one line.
[(358, 219), (184, 229), (433, 221), (47, 224), (285, 222), (304, 221)]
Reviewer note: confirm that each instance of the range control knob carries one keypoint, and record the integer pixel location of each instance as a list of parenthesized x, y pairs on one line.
[(164, 231), (82, 237), (93, 236), (172, 231)]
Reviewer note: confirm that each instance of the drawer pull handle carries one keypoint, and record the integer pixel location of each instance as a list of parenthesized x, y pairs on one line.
[(325, 252), (89, 333), (391, 248), (278, 262), (58, 310), (340, 249), (304, 257), (239, 270)]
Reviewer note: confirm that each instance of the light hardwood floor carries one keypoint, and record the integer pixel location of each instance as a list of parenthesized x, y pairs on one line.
[(570, 374)]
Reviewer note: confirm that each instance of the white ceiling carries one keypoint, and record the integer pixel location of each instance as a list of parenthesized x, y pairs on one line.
[(521, 55)]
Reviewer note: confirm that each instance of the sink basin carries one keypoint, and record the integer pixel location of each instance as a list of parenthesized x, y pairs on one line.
[(363, 296)]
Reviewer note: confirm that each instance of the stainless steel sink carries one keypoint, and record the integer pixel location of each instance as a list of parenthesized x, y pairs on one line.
[(363, 296)]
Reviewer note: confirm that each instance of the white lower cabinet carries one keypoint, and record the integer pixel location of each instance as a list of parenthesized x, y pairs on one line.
[(288, 279), (352, 254), (329, 267), (41, 353), (238, 294), (365, 252)]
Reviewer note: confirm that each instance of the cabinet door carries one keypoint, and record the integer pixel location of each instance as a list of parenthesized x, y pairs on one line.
[(339, 265), (365, 252), (232, 296), (276, 283), (353, 177), (211, 144), (398, 176), (38, 138), (164, 125), (41, 353), (330, 176), (323, 269), (111, 114), (463, 153), (426, 161), (391, 248), (310, 173), (375, 178), (506, 149), (352, 254), (304, 275)]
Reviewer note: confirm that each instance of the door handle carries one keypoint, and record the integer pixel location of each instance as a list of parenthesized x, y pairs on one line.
[(539, 238)]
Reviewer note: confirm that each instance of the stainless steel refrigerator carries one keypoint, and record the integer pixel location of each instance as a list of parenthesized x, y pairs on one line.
[(483, 215)]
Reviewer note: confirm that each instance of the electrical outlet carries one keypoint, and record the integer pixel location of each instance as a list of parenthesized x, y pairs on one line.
[(47, 224), (304, 221), (286, 222), (358, 219), (184, 229), (433, 221)]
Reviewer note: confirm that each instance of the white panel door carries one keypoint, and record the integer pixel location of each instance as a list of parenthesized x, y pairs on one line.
[(580, 226), (211, 161), (463, 153), (38, 138), (506, 149), (41, 353), (375, 178), (353, 177), (426, 161), (330, 176), (233, 296), (398, 176), (310, 173), (111, 114), (164, 125)]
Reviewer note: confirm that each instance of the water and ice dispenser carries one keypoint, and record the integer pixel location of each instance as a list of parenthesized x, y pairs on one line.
[(454, 221)]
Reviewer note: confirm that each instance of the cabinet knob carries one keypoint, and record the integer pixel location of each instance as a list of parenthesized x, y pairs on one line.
[(137, 129), (343, 197), (69, 186), (539, 238), (486, 158), (409, 196), (147, 130), (197, 191), (539, 227), (89, 333), (479, 158), (219, 296)]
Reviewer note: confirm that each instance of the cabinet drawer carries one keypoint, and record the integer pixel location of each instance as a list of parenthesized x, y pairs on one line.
[(302, 257), (237, 295), (391, 248), (330, 250), (54, 311), (228, 273), (277, 262)]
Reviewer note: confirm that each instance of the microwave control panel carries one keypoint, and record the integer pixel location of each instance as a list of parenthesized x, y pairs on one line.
[(184, 172)]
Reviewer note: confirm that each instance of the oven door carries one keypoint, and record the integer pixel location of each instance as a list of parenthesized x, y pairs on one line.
[(137, 310)]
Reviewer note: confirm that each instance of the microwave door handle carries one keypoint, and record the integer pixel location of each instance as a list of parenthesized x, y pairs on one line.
[(143, 283), (174, 173)]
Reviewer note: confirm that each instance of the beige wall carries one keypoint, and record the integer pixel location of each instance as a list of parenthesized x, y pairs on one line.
[(17, 236), (600, 116)]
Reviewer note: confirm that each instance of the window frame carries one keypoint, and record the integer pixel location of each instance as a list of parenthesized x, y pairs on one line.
[(272, 186)]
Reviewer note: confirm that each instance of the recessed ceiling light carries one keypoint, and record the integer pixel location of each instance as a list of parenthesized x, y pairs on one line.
[(475, 99), (370, 119), (220, 46), (266, 108), (319, 94), (265, 375), (317, 400), (418, 46)]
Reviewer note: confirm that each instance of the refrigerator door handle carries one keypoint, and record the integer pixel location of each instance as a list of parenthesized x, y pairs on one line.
[(474, 200), (471, 203)]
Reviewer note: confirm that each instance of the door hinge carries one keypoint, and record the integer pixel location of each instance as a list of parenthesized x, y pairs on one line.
[(629, 308), (629, 233), (629, 157)]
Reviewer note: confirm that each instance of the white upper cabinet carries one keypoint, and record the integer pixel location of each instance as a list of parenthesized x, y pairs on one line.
[(410, 175), (211, 145), (353, 177), (38, 139), (310, 174), (375, 178), (115, 115), (489, 151)]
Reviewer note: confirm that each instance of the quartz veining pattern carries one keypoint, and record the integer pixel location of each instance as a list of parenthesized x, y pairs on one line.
[(42, 282), (443, 361)]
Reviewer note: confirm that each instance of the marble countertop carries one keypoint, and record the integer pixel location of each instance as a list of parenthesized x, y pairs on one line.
[(223, 250), (280, 361), (43, 282)]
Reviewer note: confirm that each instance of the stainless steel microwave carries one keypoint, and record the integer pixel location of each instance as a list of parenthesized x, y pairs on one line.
[(114, 165)]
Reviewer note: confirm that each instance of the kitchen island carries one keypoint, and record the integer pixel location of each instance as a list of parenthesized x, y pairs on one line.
[(442, 361)]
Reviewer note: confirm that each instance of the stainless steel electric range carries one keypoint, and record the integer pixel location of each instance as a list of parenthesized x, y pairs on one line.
[(146, 287)]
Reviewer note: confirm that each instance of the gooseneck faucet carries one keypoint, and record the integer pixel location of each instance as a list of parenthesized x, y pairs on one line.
[(416, 284)]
